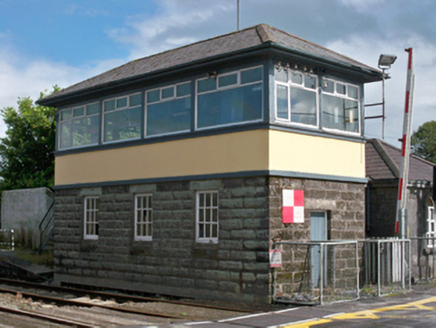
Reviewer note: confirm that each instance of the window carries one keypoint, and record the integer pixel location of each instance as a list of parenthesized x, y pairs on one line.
[(169, 109), (296, 97), (230, 98), (79, 126), (122, 118), (431, 226), (207, 217), (143, 217), (340, 106), (91, 218)]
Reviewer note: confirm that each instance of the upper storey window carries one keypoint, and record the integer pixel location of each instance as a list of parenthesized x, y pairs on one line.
[(79, 126), (229, 98), (309, 100), (168, 109), (296, 100), (122, 118), (340, 106)]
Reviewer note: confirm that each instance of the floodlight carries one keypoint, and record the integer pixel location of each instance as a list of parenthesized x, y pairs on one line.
[(385, 61)]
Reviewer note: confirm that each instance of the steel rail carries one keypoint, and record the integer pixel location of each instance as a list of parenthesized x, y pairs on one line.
[(122, 297), (45, 317), (87, 304)]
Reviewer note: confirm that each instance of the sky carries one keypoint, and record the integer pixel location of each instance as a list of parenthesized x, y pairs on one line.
[(61, 42)]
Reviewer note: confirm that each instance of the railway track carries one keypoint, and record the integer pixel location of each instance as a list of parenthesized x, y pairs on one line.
[(119, 305), (42, 318), (115, 296)]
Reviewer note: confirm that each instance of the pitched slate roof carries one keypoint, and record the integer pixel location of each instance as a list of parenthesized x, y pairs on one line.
[(241, 41), (383, 162)]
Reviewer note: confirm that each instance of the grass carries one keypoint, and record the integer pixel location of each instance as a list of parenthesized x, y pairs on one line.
[(45, 258)]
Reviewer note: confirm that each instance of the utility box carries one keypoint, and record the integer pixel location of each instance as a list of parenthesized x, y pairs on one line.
[(22, 210)]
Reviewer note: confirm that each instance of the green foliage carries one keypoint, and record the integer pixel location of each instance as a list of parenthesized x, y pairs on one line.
[(424, 141), (26, 153)]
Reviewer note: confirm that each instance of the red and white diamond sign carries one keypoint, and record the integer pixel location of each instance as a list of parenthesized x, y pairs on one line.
[(293, 206)]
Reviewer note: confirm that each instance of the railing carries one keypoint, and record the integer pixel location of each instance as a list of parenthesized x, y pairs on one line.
[(7, 241), (46, 227), (424, 258), (387, 266), (317, 272)]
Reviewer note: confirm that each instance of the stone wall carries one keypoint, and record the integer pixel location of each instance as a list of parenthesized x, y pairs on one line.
[(236, 268), (173, 263), (344, 204), (22, 210)]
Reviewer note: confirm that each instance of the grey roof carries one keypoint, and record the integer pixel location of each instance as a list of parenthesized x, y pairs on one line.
[(383, 162), (240, 41)]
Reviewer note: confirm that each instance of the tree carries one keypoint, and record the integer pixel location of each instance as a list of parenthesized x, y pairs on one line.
[(26, 153), (424, 141)]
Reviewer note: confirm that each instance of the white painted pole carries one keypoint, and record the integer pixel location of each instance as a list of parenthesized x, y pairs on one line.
[(400, 223)]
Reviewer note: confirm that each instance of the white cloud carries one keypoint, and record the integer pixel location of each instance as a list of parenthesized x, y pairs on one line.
[(22, 77), (424, 58), (176, 24)]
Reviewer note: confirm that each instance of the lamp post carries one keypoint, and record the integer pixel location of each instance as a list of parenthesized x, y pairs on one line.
[(384, 63)]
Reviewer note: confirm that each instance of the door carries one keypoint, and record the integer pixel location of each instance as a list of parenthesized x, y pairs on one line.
[(318, 232)]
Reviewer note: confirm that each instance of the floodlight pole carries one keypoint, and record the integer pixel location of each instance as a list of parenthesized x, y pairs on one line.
[(383, 104), (383, 64)]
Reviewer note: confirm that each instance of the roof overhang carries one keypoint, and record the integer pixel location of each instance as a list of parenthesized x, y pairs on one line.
[(264, 50)]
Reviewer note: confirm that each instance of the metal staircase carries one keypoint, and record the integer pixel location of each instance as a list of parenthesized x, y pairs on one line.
[(46, 228)]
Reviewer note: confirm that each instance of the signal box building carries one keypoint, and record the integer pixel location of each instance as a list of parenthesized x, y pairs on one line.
[(170, 170)]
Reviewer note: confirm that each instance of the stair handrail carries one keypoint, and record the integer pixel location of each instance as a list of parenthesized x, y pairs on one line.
[(46, 217), (49, 215)]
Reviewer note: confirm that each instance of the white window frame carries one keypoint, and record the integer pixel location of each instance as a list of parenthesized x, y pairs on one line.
[(90, 216), (232, 86), (61, 122), (161, 100), (103, 131), (431, 226), (290, 85), (205, 209), (340, 95), (147, 209)]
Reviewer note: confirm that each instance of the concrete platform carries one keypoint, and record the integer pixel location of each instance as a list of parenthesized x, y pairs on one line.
[(413, 309)]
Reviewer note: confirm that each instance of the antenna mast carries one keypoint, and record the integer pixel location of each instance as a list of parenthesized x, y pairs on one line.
[(237, 15)]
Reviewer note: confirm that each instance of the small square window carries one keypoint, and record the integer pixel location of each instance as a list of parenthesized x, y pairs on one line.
[(183, 89), (251, 75), (341, 88), (93, 109), (206, 85), (135, 100), (109, 105), (65, 114), (153, 96), (227, 80), (353, 92), (329, 86), (122, 102), (168, 93), (296, 78), (80, 111), (310, 81)]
